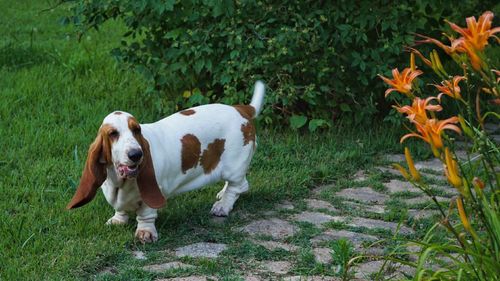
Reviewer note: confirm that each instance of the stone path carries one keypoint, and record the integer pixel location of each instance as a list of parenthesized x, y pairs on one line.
[(357, 214)]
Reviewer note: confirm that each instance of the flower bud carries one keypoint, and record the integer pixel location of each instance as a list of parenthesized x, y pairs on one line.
[(411, 166), (402, 170)]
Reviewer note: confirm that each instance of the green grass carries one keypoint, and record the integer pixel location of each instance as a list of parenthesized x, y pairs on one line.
[(54, 93)]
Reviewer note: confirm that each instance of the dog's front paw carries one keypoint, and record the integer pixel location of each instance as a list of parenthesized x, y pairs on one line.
[(117, 220), (146, 235), (220, 209)]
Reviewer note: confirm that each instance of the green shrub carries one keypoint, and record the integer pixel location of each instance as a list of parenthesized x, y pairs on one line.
[(319, 58)]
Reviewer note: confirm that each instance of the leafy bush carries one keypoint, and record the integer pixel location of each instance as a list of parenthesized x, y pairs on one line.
[(319, 58)]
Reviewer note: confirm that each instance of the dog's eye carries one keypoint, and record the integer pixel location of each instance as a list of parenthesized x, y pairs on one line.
[(114, 134)]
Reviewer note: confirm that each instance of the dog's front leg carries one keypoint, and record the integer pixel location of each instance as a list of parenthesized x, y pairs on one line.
[(120, 217), (146, 230)]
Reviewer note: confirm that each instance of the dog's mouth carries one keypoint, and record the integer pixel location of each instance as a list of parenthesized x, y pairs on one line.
[(128, 171)]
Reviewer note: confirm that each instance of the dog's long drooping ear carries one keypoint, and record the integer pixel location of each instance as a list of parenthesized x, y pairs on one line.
[(146, 180), (94, 172)]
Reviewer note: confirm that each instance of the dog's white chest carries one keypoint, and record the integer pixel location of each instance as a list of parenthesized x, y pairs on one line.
[(124, 198)]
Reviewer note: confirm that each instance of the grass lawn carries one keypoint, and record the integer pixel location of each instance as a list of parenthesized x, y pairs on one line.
[(54, 93)]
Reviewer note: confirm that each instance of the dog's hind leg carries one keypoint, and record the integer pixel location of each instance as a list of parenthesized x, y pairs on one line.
[(228, 196), (221, 192)]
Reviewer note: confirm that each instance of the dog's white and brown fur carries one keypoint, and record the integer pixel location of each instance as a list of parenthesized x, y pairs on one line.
[(139, 165)]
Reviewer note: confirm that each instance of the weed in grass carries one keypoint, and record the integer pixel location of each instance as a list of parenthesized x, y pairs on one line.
[(248, 250), (305, 261), (342, 253), (378, 186), (395, 213), (306, 232), (335, 225)]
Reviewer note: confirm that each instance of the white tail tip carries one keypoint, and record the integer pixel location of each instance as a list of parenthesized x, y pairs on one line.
[(258, 96)]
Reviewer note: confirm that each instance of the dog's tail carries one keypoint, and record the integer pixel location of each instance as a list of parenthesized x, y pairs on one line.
[(258, 97)]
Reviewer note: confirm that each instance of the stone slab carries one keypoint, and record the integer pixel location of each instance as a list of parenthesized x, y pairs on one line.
[(366, 269), (274, 245), (201, 250), (395, 186), (360, 176), (285, 205), (139, 255), (388, 171), (391, 271), (252, 278), (417, 214), (424, 199), (374, 224), (323, 255), (276, 228), (395, 158), (370, 208), (311, 278), (190, 278), (157, 268), (363, 194), (356, 238), (433, 164), (276, 267), (319, 204), (315, 218)]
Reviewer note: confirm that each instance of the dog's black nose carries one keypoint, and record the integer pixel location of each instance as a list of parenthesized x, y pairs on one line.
[(134, 154)]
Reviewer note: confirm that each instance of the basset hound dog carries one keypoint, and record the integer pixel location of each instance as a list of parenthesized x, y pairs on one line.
[(138, 166)]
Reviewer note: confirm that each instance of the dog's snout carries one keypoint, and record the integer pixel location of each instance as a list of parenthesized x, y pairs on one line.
[(135, 154)]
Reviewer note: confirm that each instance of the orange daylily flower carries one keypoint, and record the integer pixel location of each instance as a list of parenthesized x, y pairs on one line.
[(456, 45), (474, 38), (459, 45), (431, 131), (475, 59), (477, 33), (450, 88), (417, 111), (401, 82)]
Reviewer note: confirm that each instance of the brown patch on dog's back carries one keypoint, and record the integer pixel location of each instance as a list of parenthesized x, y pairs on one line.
[(248, 130), (211, 155), (190, 152), (246, 111), (118, 112), (188, 112)]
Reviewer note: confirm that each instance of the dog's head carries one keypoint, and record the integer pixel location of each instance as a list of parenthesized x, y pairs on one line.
[(119, 145)]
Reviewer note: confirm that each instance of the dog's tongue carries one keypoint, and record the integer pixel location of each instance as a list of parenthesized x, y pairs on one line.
[(127, 170), (123, 169)]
